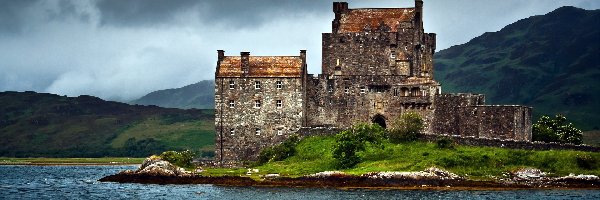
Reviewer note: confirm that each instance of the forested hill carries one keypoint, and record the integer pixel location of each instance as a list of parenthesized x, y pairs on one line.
[(550, 62), (38, 124)]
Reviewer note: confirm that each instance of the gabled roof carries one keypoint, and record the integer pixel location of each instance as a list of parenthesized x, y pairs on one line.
[(261, 66), (355, 20)]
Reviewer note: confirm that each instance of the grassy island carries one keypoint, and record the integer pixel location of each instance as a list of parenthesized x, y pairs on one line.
[(314, 154)]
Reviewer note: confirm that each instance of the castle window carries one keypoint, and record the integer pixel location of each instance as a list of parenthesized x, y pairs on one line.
[(393, 55), (231, 85), (232, 131), (257, 103), (346, 89), (279, 103), (362, 89), (257, 85), (404, 92), (279, 132), (415, 92), (395, 92), (231, 103), (257, 131), (279, 84)]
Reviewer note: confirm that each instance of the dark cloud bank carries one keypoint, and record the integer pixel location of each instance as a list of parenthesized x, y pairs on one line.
[(122, 49)]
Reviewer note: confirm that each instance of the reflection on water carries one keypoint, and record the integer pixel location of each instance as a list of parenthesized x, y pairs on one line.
[(79, 182)]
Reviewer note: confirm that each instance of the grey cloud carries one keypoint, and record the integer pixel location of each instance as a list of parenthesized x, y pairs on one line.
[(11, 19), (236, 13)]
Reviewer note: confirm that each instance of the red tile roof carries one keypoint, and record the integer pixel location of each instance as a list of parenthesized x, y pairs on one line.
[(262, 66), (357, 19)]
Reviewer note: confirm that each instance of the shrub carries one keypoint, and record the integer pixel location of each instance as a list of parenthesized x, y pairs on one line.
[(278, 152), (181, 158), (350, 141), (586, 161), (407, 127), (445, 143), (558, 129)]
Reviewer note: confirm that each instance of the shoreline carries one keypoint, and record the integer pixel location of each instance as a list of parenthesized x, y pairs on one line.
[(67, 164), (352, 182)]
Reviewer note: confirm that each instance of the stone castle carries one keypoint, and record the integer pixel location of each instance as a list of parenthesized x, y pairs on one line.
[(376, 65)]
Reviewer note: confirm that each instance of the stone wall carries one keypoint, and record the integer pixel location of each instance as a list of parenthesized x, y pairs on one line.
[(244, 129), (467, 116), (512, 144), (343, 101), (447, 120)]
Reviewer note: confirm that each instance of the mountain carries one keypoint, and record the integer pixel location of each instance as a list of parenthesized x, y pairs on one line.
[(550, 62), (198, 95), (47, 125)]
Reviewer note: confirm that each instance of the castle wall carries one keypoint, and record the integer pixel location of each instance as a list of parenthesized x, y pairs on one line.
[(467, 116), (342, 101), (237, 126), (447, 109)]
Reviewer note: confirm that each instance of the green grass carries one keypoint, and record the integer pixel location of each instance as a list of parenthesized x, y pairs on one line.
[(314, 155), (105, 160)]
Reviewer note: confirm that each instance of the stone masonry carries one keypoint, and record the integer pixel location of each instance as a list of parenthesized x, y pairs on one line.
[(376, 65)]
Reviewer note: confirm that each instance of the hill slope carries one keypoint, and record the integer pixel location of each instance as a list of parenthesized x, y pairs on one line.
[(198, 95), (36, 124), (550, 62)]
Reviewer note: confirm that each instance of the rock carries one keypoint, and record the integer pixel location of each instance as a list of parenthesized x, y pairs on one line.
[(155, 166), (327, 174), (579, 177), (529, 173), (272, 176), (430, 173)]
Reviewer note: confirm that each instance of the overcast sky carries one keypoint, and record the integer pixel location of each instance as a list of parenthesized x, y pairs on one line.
[(123, 49)]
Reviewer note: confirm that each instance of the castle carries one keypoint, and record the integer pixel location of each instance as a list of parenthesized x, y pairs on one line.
[(376, 65)]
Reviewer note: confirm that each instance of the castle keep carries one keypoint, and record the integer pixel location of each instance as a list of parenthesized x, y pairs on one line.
[(376, 65)]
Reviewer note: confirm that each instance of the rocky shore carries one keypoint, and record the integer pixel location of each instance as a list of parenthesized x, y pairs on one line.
[(162, 172)]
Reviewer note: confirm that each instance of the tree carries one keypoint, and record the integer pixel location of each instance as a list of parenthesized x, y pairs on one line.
[(556, 129), (407, 127), (350, 141)]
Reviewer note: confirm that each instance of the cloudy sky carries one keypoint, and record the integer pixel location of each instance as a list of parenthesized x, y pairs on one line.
[(123, 49)]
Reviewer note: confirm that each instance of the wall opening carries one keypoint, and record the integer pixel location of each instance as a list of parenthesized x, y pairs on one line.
[(379, 119)]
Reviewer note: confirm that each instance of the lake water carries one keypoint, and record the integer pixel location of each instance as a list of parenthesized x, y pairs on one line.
[(80, 182)]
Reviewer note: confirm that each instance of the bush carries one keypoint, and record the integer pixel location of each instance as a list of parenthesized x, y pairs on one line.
[(278, 152), (350, 141), (407, 127), (445, 143), (558, 129), (586, 161), (181, 158)]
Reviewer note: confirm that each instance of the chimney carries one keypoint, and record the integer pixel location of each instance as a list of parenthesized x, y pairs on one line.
[(220, 55), (338, 8), (419, 13), (245, 63)]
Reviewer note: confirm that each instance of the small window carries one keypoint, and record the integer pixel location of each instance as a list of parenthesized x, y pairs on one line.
[(257, 103), (362, 89), (257, 85), (231, 84), (346, 89), (279, 132), (395, 92), (231, 103), (279, 103), (257, 131), (232, 131), (393, 55), (279, 84)]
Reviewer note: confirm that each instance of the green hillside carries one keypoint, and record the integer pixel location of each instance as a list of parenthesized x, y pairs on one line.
[(47, 125), (550, 62), (198, 95)]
